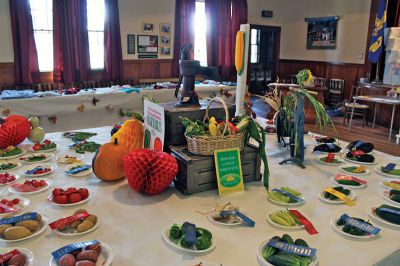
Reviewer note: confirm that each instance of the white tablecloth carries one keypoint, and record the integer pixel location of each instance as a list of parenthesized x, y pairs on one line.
[(132, 223), (69, 118)]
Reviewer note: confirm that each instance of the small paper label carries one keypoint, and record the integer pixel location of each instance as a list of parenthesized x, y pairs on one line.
[(7, 256), (307, 224), (290, 195), (360, 225), (299, 250), (20, 218), (68, 220), (350, 178), (341, 196), (190, 233), (70, 248)]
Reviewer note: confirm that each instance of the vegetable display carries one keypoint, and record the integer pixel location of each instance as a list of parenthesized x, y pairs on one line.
[(13, 130), (79, 225), (46, 145), (69, 196), (84, 146), (10, 151), (325, 139), (14, 258), (7, 166), (38, 170), (83, 256), (30, 186), (9, 206), (327, 147), (228, 219), (6, 178), (352, 230), (355, 169), (34, 158), (203, 237), (392, 184), (79, 136), (276, 196), (37, 133), (130, 134), (395, 171), (392, 217), (342, 190), (284, 218), (394, 195), (22, 229)]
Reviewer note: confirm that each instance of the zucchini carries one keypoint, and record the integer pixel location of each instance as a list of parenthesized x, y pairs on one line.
[(390, 217), (348, 182), (395, 197), (394, 192), (284, 260)]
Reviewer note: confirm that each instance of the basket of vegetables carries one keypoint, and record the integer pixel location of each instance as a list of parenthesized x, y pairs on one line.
[(203, 137)]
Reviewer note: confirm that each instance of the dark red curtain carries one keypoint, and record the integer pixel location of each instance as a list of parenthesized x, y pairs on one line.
[(223, 22), (113, 69), (26, 67), (71, 44), (184, 29)]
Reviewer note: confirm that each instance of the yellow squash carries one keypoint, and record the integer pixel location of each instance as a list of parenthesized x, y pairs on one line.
[(130, 134)]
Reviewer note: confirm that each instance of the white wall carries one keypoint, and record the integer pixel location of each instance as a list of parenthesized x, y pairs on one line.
[(6, 45), (290, 14)]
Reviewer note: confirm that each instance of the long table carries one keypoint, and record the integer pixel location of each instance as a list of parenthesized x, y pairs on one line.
[(104, 112), (132, 223)]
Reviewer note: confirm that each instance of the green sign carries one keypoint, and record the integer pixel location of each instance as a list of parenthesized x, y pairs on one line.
[(229, 171)]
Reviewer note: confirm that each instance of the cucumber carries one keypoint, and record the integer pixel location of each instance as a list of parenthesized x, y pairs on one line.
[(395, 197), (390, 217), (348, 182), (287, 239), (394, 191), (269, 251), (284, 260), (303, 243)]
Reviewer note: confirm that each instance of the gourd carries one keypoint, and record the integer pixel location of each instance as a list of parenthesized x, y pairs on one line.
[(108, 162), (13, 130), (239, 52), (130, 134), (36, 134)]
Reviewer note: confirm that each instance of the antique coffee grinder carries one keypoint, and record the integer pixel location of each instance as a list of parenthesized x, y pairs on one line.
[(188, 70)]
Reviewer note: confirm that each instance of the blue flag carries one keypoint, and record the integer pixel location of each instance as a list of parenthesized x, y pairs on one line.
[(376, 46)]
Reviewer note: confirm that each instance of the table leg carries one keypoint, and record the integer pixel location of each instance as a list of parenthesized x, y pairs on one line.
[(352, 114), (391, 123), (373, 123)]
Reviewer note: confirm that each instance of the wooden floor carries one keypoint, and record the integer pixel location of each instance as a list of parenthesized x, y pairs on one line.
[(378, 135)]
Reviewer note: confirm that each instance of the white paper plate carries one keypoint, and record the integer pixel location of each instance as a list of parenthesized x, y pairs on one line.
[(341, 168), (48, 181), (62, 234), (9, 170), (42, 228), (12, 182), (330, 164), (385, 195), (352, 196), (338, 229), (357, 162), (288, 204), (49, 157), (373, 215), (13, 156), (23, 204), (33, 166), (383, 180), (213, 221), (318, 143), (61, 157), (361, 186), (28, 254), (263, 262), (296, 227), (80, 174), (40, 151), (70, 204), (379, 171), (165, 236), (105, 259)]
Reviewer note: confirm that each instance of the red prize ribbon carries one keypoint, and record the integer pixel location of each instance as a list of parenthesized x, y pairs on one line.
[(7, 256), (330, 158), (307, 224), (68, 220), (349, 177)]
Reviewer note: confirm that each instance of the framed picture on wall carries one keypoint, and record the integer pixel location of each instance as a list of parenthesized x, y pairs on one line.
[(321, 32), (147, 26), (147, 44), (165, 28), (165, 40), (131, 43), (165, 50)]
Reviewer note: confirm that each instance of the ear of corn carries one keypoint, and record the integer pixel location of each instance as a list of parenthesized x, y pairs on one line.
[(239, 52)]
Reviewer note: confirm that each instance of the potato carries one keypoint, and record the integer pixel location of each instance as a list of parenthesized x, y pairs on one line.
[(96, 247), (75, 224), (38, 217), (16, 232), (85, 263), (3, 228), (85, 226), (92, 218), (87, 255), (80, 211), (31, 225), (67, 260), (17, 260)]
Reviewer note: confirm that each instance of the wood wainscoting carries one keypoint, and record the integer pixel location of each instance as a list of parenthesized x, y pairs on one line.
[(350, 73), (136, 69), (6, 74)]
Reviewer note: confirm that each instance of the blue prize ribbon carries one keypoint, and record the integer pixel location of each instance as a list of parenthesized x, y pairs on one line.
[(246, 219), (190, 233), (299, 250), (20, 218), (390, 210), (360, 225), (70, 248), (290, 195), (389, 167), (78, 170)]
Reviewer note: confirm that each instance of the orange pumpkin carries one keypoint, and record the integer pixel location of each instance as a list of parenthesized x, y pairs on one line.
[(130, 134), (108, 162)]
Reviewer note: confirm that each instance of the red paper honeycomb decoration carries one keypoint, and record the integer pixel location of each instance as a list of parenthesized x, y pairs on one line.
[(13, 130)]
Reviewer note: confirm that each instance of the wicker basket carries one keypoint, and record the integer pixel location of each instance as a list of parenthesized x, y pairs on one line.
[(206, 145)]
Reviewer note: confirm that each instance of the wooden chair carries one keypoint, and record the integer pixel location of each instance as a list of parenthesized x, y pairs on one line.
[(292, 79), (335, 90), (360, 110), (321, 82)]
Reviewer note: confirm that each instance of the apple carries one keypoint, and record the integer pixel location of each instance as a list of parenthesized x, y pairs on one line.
[(35, 122), (36, 134)]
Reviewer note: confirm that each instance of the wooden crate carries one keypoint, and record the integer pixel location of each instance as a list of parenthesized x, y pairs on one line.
[(197, 173), (174, 130)]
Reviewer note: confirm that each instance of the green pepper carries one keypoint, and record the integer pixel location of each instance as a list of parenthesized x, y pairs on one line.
[(203, 242), (185, 244), (203, 232), (175, 231)]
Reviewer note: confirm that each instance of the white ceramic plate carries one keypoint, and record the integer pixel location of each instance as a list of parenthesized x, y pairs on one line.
[(50, 197), (373, 215), (40, 151), (361, 186), (342, 167), (213, 221), (31, 167), (379, 171), (357, 162), (49, 157), (80, 174), (296, 227), (105, 259), (263, 262), (385, 195), (22, 205), (13, 156), (351, 196), (12, 182), (57, 232), (383, 180), (48, 181), (28, 254), (165, 236), (288, 204), (338, 229), (42, 228), (9, 170), (61, 158), (340, 161)]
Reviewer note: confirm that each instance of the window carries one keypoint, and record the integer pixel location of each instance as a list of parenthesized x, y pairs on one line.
[(42, 18), (255, 46), (96, 18), (200, 47)]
